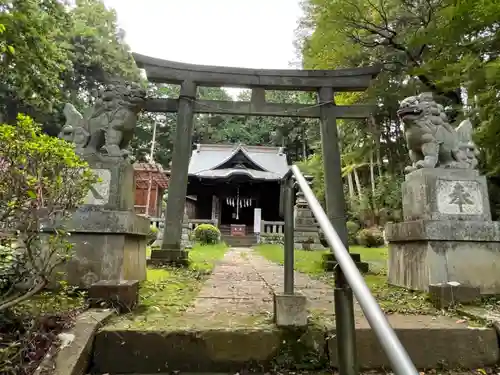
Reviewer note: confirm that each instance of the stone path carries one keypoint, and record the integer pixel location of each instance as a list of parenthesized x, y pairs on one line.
[(241, 287)]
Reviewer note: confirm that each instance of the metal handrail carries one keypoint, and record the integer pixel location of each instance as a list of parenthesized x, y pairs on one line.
[(399, 358)]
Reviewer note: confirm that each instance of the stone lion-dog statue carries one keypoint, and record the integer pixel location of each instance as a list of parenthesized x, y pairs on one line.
[(109, 124), (432, 141)]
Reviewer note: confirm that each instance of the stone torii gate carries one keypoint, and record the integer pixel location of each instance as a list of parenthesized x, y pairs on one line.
[(190, 76), (325, 83)]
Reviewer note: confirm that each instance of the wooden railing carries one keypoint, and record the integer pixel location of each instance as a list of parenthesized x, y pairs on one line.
[(272, 227)]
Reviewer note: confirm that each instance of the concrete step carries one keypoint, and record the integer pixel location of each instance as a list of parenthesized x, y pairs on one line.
[(433, 342)]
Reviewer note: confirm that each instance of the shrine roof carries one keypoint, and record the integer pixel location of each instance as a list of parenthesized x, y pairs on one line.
[(159, 176), (207, 161)]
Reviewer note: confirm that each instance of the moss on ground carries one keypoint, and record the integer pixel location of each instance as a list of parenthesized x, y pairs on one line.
[(169, 291), (391, 299)]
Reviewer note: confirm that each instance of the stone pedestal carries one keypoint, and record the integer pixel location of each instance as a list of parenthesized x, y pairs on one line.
[(447, 235), (109, 238), (445, 194), (162, 256), (290, 310), (306, 234)]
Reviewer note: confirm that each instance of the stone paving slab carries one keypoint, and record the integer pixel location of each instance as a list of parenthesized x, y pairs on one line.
[(235, 290), (243, 284)]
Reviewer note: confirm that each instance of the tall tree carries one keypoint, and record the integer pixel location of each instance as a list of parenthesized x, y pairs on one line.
[(57, 53), (450, 46), (30, 70), (97, 49)]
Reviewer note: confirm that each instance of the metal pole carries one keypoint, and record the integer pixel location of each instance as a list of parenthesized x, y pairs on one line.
[(335, 205), (289, 240), (401, 362)]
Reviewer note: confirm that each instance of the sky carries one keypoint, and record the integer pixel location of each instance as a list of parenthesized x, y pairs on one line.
[(240, 33)]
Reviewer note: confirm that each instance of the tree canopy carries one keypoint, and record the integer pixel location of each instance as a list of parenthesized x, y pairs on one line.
[(54, 53), (57, 53), (447, 47)]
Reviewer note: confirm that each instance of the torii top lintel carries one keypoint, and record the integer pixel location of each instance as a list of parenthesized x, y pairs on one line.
[(165, 71)]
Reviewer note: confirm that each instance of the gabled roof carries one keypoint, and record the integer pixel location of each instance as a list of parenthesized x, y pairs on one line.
[(206, 159), (142, 173)]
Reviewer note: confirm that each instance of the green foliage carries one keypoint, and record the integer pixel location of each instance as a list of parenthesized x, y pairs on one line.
[(52, 53), (297, 135), (313, 166), (30, 77), (370, 237), (447, 47), (352, 231), (41, 181), (207, 234), (272, 239), (152, 235), (97, 48)]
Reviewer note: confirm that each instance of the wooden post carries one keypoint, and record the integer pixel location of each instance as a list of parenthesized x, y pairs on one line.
[(171, 251), (335, 206)]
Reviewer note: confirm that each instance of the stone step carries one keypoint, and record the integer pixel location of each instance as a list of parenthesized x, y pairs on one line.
[(432, 342), (240, 241)]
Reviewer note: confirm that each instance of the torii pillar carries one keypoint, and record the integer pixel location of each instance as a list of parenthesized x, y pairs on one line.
[(171, 251)]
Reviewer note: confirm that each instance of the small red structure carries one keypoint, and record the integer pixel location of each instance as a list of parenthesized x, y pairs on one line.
[(144, 173), (238, 230)]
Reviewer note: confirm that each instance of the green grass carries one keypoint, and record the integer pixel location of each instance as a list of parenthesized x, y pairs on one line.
[(169, 291), (203, 258), (390, 298), (311, 261), (371, 254), (305, 261)]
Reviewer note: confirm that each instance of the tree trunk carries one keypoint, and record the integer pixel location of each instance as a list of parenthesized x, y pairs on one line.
[(358, 184), (372, 180), (351, 185)]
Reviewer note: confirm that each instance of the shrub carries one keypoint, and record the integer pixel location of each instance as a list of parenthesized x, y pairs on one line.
[(207, 234), (42, 181), (152, 235), (370, 237), (272, 239), (352, 231)]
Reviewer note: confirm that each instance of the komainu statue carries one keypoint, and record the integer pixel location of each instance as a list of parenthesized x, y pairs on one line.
[(109, 126), (431, 140)]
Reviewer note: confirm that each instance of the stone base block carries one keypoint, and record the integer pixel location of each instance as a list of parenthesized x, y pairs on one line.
[(329, 262), (122, 295), (171, 257), (290, 310), (432, 252), (105, 256), (308, 246), (448, 294), (329, 266), (330, 257)]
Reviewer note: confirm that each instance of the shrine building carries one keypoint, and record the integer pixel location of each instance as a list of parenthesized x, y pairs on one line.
[(231, 181)]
